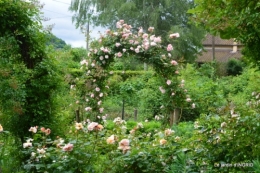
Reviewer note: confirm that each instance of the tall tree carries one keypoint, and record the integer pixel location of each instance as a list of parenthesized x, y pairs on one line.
[(28, 77), (232, 19), (164, 15)]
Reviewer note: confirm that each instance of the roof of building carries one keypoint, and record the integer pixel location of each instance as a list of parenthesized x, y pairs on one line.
[(224, 49)]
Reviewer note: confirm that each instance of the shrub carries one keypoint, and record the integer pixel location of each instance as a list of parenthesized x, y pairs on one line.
[(229, 136), (234, 67)]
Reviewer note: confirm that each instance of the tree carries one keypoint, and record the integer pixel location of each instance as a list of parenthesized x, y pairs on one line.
[(56, 42), (232, 19), (165, 16), (28, 77)]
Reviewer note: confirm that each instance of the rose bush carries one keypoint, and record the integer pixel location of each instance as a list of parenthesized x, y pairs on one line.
[(92, 147)]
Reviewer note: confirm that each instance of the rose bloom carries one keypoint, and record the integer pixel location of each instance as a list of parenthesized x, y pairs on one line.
[(168, 82), (47, 131), (1, 128), (188, 99), (145, 36), (111, 139), (173, 62), (177, 138), (68, 147), (41, 151), (79, 126), (33, 129), (174, 35), (99, 127), (118, 44), (132, 131), (27, 143), (153, 44), (101, 110), (162, 90), (97, 89), (124, 145), (163, 141), (119, 54), (224, 124), (88, 108), (157, 39), (92, 125), (150, 29), (169, 47), (167, 132), (193, 106)]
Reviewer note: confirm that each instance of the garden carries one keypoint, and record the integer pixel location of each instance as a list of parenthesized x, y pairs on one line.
[(71, 111)]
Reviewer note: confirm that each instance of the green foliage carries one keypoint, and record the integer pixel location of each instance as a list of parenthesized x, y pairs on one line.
[(206, 92), (234, 67), (217, 139), (29, 78), (9, 153)]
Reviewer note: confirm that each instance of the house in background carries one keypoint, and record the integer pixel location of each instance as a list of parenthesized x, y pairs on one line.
[(221, 49)]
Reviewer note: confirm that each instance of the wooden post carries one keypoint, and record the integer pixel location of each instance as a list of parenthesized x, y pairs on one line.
[(174, 116), (123, 110), (135, 114)]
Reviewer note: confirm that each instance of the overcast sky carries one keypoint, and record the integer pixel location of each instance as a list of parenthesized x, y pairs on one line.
[(59, 15)]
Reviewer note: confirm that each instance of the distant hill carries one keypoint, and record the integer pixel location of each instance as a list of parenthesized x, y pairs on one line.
[(56, 42)]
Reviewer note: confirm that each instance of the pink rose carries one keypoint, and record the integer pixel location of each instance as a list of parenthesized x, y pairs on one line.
[(169, 47), (92, 125), (173, 62), (68, 147), (124, 145), (175, 35)]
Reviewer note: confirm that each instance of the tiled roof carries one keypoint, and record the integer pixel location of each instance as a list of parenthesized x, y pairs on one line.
[(223, 50)]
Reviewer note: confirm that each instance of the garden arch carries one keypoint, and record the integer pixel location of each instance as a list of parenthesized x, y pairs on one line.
[(148, 49)]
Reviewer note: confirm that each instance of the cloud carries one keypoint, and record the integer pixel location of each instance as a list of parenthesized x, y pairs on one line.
[(58, 14)]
